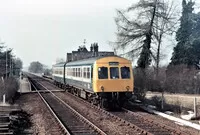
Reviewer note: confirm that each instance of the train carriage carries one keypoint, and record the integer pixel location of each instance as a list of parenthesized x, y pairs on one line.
[(106, 80)]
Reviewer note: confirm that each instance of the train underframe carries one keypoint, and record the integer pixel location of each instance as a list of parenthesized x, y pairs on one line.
[(107, 100), (113, 99)]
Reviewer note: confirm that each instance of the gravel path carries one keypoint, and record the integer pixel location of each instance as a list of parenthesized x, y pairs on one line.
[(43, 122)]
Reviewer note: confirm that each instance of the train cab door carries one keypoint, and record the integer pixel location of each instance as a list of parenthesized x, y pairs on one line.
[(91, 77)]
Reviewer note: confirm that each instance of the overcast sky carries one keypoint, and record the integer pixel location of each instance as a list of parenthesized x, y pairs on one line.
[(45, 30)]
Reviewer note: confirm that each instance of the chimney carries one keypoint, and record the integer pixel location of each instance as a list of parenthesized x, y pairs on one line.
[(69, 57), (79, 48), (96, 47), (91, 48)]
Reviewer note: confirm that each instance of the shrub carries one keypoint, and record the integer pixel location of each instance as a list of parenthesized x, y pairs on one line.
[(8, 87), (157, 101), (182, 79)]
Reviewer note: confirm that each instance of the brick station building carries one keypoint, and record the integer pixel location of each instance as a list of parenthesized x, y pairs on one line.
[(83, 53)]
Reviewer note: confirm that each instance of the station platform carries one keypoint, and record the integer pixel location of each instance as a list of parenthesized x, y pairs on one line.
[(25, 85)]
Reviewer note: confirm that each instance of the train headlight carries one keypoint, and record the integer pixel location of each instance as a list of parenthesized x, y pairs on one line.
[(127, 88), (102, 88)]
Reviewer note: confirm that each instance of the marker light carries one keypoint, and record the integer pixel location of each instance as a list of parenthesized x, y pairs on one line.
[(102, 88), (127, 88)]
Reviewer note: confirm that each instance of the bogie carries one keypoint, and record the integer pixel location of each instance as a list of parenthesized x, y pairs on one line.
[(107, 100)]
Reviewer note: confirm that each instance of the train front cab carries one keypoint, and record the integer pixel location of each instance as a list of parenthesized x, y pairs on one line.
[(113, 80)]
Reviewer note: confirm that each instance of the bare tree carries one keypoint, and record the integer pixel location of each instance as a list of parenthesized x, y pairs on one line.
[(139, 28), (59, 60), (164, 26)]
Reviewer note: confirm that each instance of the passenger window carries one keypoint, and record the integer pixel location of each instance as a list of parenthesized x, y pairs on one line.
[(88, 72), (114, 73), (79, 72), (84, 73), (125, 72), (76, 72), (103, 72)]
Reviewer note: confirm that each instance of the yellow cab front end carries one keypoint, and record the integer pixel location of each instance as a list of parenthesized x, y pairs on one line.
[(112, 74)]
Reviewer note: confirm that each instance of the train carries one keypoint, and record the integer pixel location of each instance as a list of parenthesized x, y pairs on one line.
[(106, 81)]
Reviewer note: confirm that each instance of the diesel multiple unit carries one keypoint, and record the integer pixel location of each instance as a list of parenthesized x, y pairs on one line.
[(106, 81)]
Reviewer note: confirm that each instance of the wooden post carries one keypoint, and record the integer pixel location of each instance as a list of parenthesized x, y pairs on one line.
[(162, 100), (195, 107), (4, 99)]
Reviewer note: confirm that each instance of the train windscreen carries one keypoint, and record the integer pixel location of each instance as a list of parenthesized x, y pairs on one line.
[(125, 72), (103, 72), (114, 73)]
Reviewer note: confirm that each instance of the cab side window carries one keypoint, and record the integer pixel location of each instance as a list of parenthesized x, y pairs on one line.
[(114, 73), (103, 73), (125, 72)]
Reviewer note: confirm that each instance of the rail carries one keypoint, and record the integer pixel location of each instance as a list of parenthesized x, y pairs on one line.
[(53, 113), (78, 115)]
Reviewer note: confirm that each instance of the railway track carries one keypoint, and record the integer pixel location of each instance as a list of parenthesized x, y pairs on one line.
[(131, 128), (148, 124), (160, 121), (71, 122), (5, 120), (4, 124), (139, 123)]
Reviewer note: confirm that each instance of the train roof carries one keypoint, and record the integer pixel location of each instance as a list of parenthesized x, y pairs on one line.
[(88, 61), (59, 64)]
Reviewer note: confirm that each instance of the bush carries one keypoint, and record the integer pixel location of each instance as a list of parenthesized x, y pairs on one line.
[(139, 84), (140, 93), (9, 87), (174, 79), (146, 80), (182, 79), (157, 101)]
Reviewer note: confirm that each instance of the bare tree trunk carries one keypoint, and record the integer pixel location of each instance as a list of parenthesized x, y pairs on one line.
[(158, 56), (143, 61)]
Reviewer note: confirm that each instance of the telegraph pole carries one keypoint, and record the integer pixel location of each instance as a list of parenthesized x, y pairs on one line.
[(10, 65), (6, 63), (2, 43)]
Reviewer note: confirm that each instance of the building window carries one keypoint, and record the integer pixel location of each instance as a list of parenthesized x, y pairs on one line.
[(103, 73), (114, 73), (125, 72)]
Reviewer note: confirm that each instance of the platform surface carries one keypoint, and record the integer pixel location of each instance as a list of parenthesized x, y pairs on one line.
[(24, 85)]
